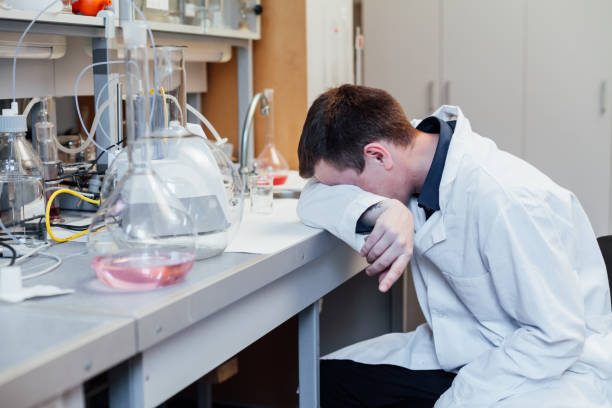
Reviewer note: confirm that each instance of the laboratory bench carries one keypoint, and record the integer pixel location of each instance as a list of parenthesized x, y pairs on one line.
[(156, 343)]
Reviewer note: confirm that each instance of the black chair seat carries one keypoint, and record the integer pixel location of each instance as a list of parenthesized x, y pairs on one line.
[(605, 245)]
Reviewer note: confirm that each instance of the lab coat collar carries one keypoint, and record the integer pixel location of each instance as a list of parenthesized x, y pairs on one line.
[(460, 144)]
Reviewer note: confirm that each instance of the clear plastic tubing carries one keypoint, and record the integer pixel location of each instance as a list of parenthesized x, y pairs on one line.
[(40, 13)]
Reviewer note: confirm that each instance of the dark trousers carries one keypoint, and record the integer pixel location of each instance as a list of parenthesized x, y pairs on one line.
[(345, 383)]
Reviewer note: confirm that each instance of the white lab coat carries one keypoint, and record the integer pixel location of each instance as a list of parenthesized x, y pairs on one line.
[(508, 275)]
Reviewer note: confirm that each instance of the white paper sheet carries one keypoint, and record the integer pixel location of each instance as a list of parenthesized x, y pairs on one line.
[(266, 234)]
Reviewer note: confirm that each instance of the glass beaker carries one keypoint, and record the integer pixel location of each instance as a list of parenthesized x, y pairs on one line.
[(270, 161), (22, 201), (141, 237), (262, 194)]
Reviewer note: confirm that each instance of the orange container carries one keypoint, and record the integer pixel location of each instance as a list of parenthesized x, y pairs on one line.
[(90, 7)]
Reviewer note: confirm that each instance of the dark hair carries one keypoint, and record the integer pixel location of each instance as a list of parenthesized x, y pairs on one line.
[(343, 120)]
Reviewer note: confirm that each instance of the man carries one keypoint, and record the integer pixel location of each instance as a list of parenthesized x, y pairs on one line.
[(505, 264)]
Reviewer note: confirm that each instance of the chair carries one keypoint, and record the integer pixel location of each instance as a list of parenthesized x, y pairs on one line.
[(605, 245)]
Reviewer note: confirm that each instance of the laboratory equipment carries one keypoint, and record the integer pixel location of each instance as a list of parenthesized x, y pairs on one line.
[(90, 7), (195, 170), (247, 9), (262, 194), (245, 136), (214, 14), (270, 160), (22, 202), (193, 12), (141, 237), (46, 135), (161, 11)]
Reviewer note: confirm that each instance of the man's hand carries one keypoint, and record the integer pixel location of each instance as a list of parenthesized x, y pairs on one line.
[(388, 248)]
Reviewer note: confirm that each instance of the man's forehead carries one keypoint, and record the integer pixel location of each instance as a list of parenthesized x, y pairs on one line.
[(328, 174)]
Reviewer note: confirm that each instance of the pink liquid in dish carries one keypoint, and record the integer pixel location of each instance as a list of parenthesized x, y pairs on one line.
[(144, 270)]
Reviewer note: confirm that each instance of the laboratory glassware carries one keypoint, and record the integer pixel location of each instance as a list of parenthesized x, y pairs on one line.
[(141, 237), (262, 194), (46, 134), (270, 160), (214, 14), (193, 12), (161, 11), (22, 201), (195, 169)]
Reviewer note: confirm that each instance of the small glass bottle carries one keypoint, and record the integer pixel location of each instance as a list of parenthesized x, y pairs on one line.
[(46, 135), (22, 201), (270, 161)]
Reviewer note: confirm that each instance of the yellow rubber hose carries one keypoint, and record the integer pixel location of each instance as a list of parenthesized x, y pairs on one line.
[(48, 211)]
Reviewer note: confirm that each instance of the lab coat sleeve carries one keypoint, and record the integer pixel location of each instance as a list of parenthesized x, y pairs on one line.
[(536, 283), (336, 209)]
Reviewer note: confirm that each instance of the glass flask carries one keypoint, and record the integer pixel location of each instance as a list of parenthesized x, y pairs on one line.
[(141, 237), (46, 135), (22, 200), (270, 161), (195, 170)]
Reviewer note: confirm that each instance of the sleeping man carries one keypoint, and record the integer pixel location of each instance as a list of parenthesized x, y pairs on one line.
[(505, 263)]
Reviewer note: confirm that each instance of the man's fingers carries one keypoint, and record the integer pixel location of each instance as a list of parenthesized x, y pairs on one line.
[(382, 276), (379, 248), (384, 261), (372, 239), (395, 272)]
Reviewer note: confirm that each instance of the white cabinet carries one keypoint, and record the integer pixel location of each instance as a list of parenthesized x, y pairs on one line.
[(482, 66), (567, 122), (401, 52), (533, 75)]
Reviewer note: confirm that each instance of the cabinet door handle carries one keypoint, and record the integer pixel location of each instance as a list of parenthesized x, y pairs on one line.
[(446, 93), (430, 97), (603, 97)]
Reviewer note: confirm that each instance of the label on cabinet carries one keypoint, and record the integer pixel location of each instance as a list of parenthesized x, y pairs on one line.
[(158, 4)]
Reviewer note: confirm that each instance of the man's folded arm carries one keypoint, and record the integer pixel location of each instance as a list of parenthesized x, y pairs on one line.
[(338, 210)]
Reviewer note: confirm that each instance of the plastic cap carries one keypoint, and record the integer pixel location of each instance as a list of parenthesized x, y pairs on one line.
[(134, 34), (10, 123)]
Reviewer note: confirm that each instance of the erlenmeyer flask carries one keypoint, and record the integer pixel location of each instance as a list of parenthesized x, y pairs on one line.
[(270, 161), (141, 237), (194, 169)]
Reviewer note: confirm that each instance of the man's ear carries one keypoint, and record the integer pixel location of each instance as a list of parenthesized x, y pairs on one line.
[(377, 154)]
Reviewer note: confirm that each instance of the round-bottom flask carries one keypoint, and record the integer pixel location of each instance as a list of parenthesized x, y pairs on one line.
[(201, 176), (141, 237)]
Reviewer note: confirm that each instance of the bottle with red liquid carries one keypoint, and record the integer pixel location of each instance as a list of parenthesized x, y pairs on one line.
[(270, 161)]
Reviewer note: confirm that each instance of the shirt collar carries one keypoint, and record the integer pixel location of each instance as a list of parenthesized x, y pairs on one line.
[(429, 197)]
